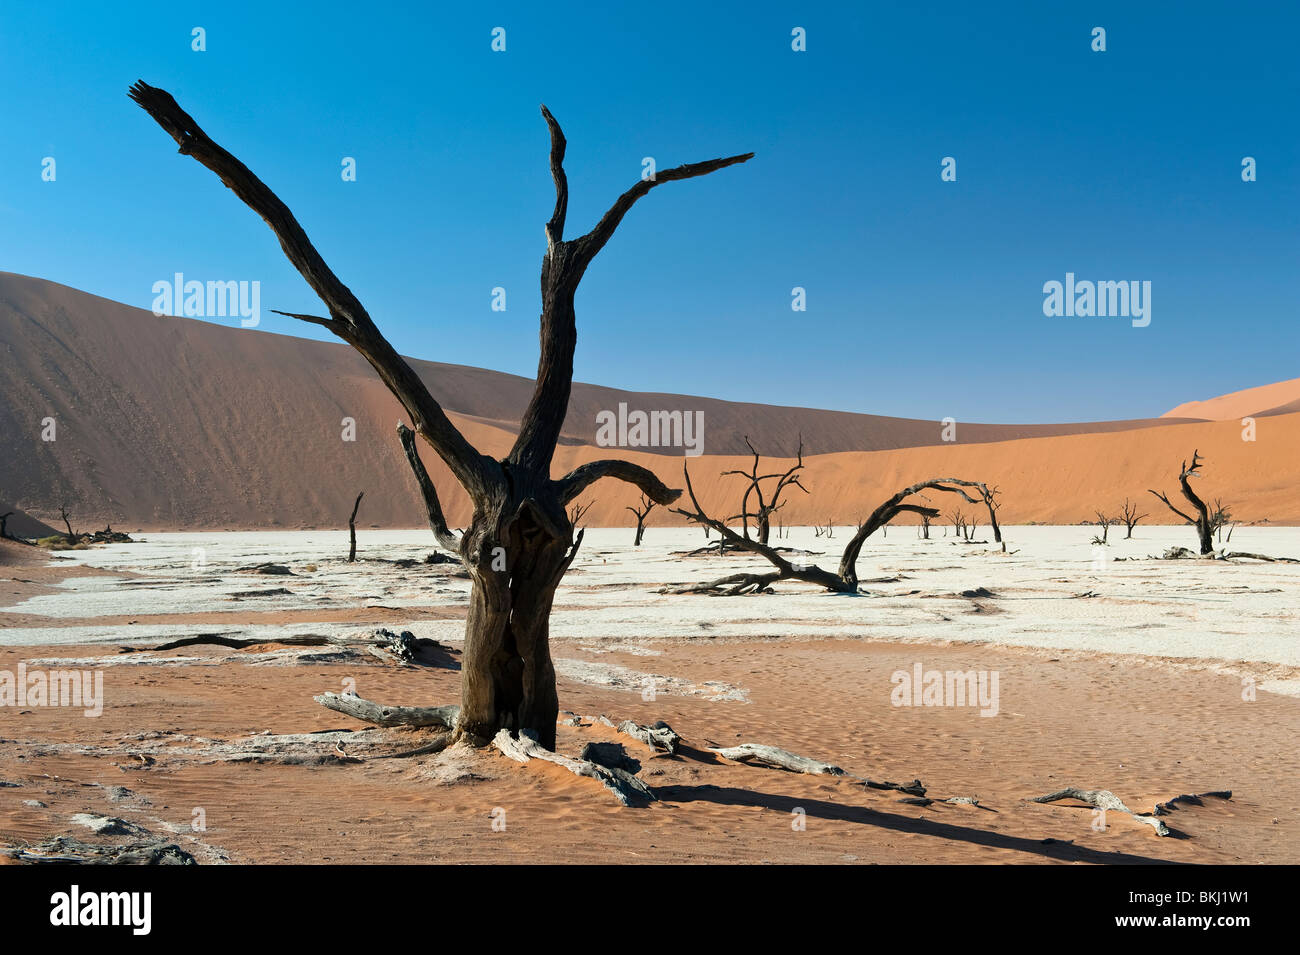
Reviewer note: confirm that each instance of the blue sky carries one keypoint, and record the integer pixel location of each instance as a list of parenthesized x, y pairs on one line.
[(924, 297)]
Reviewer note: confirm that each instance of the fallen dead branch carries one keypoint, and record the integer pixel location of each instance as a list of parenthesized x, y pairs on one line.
[(657, 735), (1106, 800), (64, 850), (381, 715), (784, 759), (627, 789)]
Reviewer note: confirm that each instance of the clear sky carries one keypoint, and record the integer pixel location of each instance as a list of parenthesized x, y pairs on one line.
[(924, 297)]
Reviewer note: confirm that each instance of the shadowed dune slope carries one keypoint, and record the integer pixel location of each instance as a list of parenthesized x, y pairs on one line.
[(175, 423)]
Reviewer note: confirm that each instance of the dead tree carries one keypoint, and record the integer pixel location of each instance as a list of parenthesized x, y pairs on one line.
[(1129, 517), (1221, 517), (646, 507), (766, 506), (1103, 521), (924, 532), (352, 529), (63, 513), (576, 512), (989, 495), (520, 541), (845, 578), (1203, 520)]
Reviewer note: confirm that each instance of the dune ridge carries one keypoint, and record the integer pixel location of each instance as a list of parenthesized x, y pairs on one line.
[(176, 423)]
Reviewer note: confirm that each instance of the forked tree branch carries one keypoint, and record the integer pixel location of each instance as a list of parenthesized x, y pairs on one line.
[(595, 240), (562, 270)]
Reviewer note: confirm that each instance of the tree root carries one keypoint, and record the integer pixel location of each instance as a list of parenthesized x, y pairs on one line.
[(239, 643), (381, 715), (784, 759), (65, 850), (781, 758), (1165, 808), (627, 789), (658, 734), (1184, 553), (1107, 800)]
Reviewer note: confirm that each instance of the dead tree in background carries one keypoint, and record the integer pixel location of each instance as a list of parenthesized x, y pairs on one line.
[(1203, 520), (352, 529), (519, 521), (925, 527), (1129, 517), (646, 507), (1103, 521), (1221, 517), (845, 579), (990, 498), (766, 507), (63, 513), (576, 512)]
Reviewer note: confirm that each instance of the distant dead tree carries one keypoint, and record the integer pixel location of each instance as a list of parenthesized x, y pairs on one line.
[(576, 512), (519, 521), (352, 529), (990, 498), (1129, 517), (63, 514), (1203, 521), (645, 508), (1104, 521), (1221, 517), (845, 579), (924, 531), (766, 507)]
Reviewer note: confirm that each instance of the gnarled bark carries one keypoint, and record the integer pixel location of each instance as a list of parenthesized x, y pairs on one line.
[(1203, 522), (520, 541)]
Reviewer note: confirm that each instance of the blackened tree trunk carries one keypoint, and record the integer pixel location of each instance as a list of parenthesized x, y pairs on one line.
[(352, 529), (766, 506), (1130, 516), (520, 541), (645, 508), (1203, 521)]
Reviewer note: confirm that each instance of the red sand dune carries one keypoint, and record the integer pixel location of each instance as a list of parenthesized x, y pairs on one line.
[(1283, 397), (174, 423)]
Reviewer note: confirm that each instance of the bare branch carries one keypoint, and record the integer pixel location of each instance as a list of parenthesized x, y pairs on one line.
[(555, 228), (432, 506), (580, 478), (595, 240)]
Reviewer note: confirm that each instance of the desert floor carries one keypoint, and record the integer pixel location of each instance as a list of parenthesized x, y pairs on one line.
[(1144, 677)]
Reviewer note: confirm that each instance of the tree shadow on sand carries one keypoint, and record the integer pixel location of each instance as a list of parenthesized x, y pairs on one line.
[(1062, 851)]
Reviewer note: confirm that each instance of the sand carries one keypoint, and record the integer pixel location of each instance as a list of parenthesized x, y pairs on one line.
[(168, 423), (1137, 688)]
